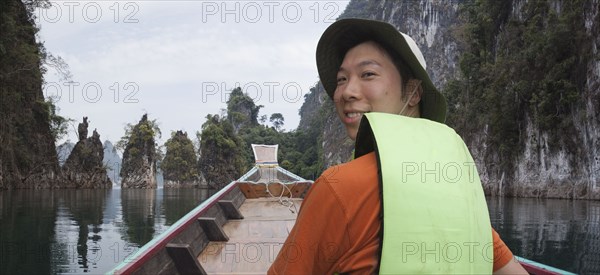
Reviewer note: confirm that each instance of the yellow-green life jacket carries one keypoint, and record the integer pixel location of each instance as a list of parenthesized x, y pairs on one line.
[(435, 217)]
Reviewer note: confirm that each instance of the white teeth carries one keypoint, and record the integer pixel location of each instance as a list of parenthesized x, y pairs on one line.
[(353, 114)]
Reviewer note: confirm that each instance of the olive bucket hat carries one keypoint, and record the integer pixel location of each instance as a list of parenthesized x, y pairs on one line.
[(337, 40)]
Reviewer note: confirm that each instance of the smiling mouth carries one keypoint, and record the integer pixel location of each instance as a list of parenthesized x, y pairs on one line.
[(353, 115)]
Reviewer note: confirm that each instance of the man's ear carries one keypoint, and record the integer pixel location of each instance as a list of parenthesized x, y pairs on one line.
[(414, 86)]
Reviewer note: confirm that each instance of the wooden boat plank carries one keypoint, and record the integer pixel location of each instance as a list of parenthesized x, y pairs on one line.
[(253, 255), (254, 242), (184, 259), (212, 229), (193, 235), (268, 207), (215, 211), (231, 210), (160, 263), (236, 196), (253, 190)]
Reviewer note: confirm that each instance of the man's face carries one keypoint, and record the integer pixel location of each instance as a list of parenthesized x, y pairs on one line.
[(367, 81)]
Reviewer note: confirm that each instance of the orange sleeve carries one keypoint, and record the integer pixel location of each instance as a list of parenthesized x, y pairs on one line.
[(502, 254), (318, 237)]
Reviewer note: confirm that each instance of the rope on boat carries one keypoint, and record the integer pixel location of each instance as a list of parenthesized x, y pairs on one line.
[(285, 201)]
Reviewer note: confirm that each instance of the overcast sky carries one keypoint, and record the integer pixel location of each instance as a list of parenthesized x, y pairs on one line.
[(179, 60)]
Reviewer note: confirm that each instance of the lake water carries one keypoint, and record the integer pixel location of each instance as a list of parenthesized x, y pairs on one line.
[(91, 231), (559, 233), (77, 231)]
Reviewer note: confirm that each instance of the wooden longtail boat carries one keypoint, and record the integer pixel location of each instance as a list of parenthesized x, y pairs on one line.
[(240, 229)]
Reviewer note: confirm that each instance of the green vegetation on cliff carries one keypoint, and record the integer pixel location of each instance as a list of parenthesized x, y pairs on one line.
[(519, 68), (180, 163), (140, 154), (221, 152), (241, 110), (27, 152)]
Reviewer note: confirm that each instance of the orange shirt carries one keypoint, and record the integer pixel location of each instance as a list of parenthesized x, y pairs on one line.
[(337, 229)]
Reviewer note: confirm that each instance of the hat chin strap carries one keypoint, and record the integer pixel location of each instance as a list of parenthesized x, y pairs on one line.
[(410, 114)]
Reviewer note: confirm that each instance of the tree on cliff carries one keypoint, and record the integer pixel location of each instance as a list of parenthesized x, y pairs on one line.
[(241, 110), (180, 163), (277, 120), (221, 159), (27, 151), (140, 154)]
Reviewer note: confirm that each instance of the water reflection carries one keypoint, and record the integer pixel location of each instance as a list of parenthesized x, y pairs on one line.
[(77, 231), (26, 231), (560, 233), (86, 208), (139, 211), (176, 200)]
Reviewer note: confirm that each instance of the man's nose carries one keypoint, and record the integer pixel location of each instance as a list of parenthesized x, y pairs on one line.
[(351, 91)]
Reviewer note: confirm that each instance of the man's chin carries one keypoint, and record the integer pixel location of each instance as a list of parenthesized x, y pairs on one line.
[(351, 132)]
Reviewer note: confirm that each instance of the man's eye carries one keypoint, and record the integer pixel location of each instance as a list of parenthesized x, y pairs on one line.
[(341, 79), (368, 74)]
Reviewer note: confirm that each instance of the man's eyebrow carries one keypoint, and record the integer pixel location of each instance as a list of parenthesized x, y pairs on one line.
[(362, 64), (368, 62)]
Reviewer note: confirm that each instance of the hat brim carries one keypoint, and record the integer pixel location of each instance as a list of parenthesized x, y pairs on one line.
[(331, 51)]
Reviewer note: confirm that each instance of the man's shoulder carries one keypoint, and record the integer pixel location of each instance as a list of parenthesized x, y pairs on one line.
[(354, 186), (356, 171)]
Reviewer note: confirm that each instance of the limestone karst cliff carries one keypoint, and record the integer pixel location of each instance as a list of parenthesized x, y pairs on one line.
[(27, 152), (85, 168), (180, 164), (528, 110), (139, 158)]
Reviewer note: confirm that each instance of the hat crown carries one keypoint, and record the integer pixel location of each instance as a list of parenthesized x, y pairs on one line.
[(415, 49)]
